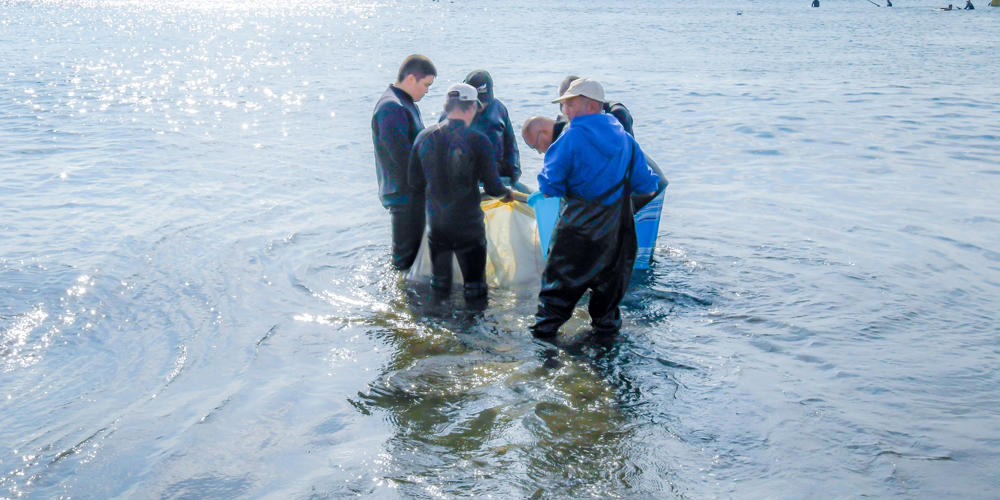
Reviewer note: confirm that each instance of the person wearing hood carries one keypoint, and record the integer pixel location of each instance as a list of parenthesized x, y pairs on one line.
[(395, 124), (595, 165), (494, 122)]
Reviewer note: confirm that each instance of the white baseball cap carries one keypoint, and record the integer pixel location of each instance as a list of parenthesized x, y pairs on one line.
[(463, 92), (586, 87)]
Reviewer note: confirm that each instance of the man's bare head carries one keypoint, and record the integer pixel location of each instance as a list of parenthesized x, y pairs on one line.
[(537, 133)]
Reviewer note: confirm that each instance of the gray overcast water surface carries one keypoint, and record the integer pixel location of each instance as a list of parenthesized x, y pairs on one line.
[(196, 299)]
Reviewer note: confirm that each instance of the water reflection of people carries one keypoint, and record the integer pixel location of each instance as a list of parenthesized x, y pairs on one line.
[(395, 124), (593, 244), (448, 162)]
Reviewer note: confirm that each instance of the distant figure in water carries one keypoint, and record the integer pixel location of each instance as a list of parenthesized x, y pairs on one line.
[(815, 3), (949, 7), (888, 3), (969, 6)]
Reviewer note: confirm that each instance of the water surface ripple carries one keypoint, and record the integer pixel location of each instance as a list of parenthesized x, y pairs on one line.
[(196, 299)]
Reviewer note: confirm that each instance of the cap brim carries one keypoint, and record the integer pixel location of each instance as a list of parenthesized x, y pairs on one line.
[(564, 97)]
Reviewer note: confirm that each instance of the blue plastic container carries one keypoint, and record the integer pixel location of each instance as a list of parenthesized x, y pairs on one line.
[(647, 225), (546, 213)]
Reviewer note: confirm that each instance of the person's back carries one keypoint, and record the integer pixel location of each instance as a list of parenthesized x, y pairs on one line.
[(599, 151), (449, 161), (624, 117)]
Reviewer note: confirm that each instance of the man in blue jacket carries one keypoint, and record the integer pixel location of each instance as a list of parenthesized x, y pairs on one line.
[(395, 124), (540, 132), (595, 166)]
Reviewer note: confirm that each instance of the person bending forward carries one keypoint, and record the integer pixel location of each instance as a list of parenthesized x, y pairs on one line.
[(448, 162), (594, 165)]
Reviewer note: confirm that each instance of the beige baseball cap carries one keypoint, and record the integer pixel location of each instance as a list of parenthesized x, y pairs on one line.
[(586, 87), (464, 92)]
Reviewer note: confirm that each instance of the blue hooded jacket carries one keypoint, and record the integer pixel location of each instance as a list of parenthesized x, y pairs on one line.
[(590, 156)]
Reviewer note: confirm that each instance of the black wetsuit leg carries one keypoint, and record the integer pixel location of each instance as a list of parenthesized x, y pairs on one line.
[(408, 220), (471, 256), (441, 272), (472, 262)]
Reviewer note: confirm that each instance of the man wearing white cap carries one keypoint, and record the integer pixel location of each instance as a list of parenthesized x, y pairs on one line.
[(448, 162), (594, 166)]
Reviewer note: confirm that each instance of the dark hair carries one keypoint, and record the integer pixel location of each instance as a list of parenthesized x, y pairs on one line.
[(566, 83), (463, 106), (418, 66)]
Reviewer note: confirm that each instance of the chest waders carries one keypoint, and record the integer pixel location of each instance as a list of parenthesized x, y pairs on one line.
[(593, 247)]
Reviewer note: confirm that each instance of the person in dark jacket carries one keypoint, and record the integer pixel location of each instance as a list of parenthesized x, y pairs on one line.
[(968, 5), (493, 121), (395, 124), (594, 166), (448, 162)]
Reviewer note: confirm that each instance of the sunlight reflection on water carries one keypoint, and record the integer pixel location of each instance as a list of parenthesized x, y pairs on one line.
[(196, 299)]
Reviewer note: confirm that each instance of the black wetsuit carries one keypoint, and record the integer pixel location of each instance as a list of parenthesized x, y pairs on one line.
[(815, 3), (395, 124), (619, 111), (448, 162), (969, 6)]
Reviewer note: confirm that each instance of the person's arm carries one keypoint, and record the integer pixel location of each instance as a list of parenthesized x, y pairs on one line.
[(487, 167), (662, 184), (558, 162), (394, 133), (511, 156), (644, 181), (416, 177)]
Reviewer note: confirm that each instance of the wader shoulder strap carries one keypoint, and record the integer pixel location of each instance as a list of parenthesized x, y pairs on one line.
[(625, 180)]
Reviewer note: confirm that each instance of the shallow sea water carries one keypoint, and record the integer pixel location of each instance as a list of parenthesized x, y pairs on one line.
[(196, 301)]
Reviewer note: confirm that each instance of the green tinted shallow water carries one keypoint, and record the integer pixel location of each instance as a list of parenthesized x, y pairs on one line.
[(196, 301)]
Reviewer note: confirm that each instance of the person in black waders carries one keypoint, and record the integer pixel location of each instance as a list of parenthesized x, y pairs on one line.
[(448, 162), (595, 166), (395, 124)]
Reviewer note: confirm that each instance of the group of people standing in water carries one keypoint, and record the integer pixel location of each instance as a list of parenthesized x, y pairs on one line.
[(432, 177), (888, 3)]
